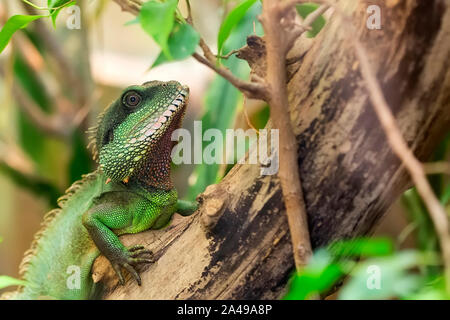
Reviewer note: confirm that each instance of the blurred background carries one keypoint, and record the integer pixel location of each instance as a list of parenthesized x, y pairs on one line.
[(55, 81)]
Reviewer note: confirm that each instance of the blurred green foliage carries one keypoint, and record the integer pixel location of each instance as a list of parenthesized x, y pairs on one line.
[(404, 274), (383, 273), (46, 152), (6, 281), (157, 19), (182, 42), (17, 22)]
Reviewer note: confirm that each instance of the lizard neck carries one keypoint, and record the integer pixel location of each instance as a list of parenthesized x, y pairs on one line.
[(155, 173)]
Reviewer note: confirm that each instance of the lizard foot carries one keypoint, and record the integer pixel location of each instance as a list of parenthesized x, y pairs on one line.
[(128, 260)]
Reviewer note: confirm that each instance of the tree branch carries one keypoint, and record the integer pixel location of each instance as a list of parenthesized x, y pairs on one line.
[(437, 167), (132, 6), (252, 90), (277, 48), (401, 149), (306, 25)]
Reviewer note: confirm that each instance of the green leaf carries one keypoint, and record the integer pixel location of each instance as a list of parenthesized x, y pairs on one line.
[(157, 19), (6, 281), (384, 278), (232, 19), (13, 24), (182, 43), (55, 6), (362, 247), (318, 276), (133, 21), (433, 290), (304, 10)]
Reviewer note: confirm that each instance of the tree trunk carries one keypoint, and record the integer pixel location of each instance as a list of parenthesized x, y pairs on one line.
[(350, 176)]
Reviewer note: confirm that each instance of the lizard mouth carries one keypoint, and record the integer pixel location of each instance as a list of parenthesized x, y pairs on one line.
[(170, 117), (168, 120)]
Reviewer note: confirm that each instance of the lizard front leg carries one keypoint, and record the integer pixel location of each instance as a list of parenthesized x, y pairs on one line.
[(186, 208), (115, 213)]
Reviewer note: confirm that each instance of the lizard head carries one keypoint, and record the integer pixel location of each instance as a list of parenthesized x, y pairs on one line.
[(133, 137)]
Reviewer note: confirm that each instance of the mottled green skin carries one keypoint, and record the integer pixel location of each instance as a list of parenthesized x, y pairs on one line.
[(103, 206)]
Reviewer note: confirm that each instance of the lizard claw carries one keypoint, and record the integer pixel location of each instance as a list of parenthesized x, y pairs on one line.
[(129, 260)]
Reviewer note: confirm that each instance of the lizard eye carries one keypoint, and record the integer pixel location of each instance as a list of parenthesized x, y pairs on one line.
[(132, 99)]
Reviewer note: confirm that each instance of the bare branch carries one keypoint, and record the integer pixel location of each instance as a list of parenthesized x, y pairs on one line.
[(437, 167), (207, 52), (189, 12), (401, 149), (306, 25), (288, 174), (252, 90), (130, 6), (229, 54)]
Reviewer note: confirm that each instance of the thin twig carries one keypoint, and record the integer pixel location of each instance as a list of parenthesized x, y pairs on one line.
[(229, 54), (46, 8), (251, 89), (279, 40), (189, 12), (404, 153), (437, 167), (130, 6), (306, 25)]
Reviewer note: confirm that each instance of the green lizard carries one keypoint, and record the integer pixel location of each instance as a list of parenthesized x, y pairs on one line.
[(129, 193)]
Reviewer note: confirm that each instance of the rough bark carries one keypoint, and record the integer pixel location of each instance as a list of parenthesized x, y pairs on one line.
[(350, 176)]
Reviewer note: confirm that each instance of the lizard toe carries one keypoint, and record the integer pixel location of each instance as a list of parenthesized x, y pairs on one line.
[(116, 268), (133, 272), (137, 253), (135, 248), (142, 260)]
